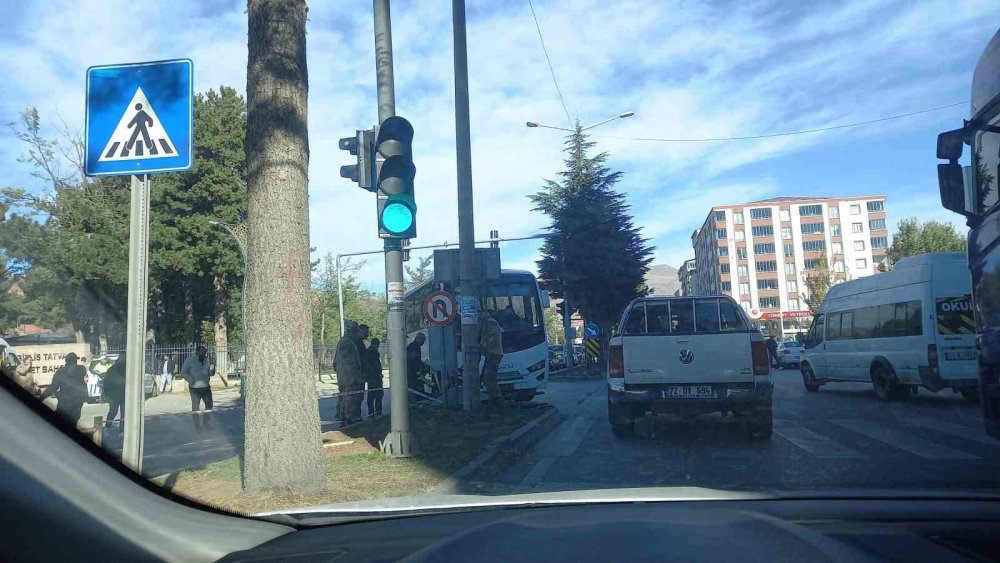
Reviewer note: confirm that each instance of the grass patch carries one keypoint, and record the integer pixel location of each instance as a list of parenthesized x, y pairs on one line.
[(355, 468)]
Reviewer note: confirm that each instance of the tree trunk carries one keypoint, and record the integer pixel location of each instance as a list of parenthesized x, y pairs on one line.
[(221, 329), (191, 329), (283, 448)]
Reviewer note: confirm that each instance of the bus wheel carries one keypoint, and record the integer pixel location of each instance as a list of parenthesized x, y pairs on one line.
[(809, 379), (970, 394), (525, 395), (886, 387)]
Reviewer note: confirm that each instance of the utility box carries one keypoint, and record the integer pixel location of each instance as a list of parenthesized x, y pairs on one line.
[(446, 266)]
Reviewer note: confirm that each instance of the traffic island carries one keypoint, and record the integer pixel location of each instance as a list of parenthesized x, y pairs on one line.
[(577, 373), (448, 441)]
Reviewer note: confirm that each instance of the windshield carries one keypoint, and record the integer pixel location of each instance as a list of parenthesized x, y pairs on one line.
[(665, 244)]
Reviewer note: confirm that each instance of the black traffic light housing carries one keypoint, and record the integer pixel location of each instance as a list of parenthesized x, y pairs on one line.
[(397, 208), (362, 145)]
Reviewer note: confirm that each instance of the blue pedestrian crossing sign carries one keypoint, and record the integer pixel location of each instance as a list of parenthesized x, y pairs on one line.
[(140, 118)]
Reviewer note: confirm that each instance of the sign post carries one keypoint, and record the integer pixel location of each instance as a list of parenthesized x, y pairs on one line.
[(139, 121)]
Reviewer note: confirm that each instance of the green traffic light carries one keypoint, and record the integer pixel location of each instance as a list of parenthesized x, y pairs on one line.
[(397, 217)]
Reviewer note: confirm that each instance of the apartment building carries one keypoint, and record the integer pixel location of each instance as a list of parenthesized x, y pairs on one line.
[(761, 252), (685, 274)]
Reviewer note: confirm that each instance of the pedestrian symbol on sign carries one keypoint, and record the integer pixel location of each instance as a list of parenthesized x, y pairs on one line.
[(139, 134)]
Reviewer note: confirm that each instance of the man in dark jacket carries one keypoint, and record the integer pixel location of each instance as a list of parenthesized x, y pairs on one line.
[(69, 385), (350, 377), (772, 351), (114, 389), (414, 358), (373, 364)]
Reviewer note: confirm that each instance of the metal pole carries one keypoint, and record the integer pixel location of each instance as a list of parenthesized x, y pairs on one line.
[(340, 292), (398, 443), (135, 346), (466, 224)]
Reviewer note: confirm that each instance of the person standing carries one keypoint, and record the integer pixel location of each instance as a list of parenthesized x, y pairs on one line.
[(374, 365), (491, 347), (772, 351), (195, 370), (19, 372), (167, 370), (114, 390), (414, 359), (357, 396), (70, 389), (348, 366)]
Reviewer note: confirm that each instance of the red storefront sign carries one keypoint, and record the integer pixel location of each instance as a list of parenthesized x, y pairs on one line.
[(787, 315)]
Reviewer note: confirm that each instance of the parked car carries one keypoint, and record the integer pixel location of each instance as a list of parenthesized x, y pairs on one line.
[(682, 355), (98, 367), (557, 357), (789, 353), (579, 355)]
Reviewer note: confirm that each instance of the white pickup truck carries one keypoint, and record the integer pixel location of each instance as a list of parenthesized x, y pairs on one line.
[(688, 355)]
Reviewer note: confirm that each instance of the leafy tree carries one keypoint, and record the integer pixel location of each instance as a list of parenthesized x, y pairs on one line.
[(594, 252), (421, 273), (818, 283), (913, 237), (554, 325)]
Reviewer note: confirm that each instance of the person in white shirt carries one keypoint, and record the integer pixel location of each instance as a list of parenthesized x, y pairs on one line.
[(196, 371)]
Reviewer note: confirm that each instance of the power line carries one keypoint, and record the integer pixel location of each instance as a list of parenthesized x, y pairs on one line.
[(786, 133), (549, 61)]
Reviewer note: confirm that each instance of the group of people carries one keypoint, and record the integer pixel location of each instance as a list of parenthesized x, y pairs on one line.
[(358, 365)]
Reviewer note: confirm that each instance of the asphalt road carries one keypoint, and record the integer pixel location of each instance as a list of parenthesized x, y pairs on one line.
[(840, 437)]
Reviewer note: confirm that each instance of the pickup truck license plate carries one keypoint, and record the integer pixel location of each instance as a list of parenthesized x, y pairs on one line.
[(961, 354), (688, 392)]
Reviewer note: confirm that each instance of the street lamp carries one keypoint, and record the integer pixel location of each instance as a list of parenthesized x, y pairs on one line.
[(241, 245), (591, 126)]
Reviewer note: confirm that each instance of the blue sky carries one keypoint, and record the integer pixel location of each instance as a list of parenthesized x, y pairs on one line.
[(687, 69)]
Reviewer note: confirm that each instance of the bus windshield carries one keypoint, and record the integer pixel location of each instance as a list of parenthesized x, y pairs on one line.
[(516, 307)]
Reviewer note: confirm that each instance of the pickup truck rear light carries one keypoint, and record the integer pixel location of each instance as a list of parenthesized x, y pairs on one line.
[(761, 363), (616, 361), (932, 355)]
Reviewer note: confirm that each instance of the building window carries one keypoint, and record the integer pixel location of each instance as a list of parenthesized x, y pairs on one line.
[(789, 268), (856, 209), (876, 224), (834, 230), (744, 289), (769, 302), (838, 266), (720, 215), (738, 218), (810, 263), (745, 305), (727, 286), (880, 242), (741, 270), (739, 235), (791, 286), (813, 245), (811, 228), (741, 252), (723, 251), (763, 248), (793, 304), (760, 213), (811, 211), (766, 266), (861, 263), (785, 215), (720, 233), (857, 228), (837, 247), (834, 212), (876, 206), (786, 233), (763, 231), (767, 284), (723, 268), (859, 245), (789, 250)]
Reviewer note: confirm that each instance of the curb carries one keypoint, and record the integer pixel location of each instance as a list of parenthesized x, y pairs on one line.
[(516, 442), (575, 373)]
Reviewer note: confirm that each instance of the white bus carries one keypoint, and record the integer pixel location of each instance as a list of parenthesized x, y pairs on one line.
[(908, 328), (517, 304)]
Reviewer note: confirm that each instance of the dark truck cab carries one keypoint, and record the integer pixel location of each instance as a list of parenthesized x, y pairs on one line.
[(973, 193)]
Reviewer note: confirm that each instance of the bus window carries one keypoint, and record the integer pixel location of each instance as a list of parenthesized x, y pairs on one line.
[(815, 337), (847, 324), (833, 328), (986, 168), (914, 321), (636, 322), (866, 322)]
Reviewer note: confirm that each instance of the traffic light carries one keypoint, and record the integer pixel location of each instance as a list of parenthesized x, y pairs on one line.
[(361, 145), (397, 210)]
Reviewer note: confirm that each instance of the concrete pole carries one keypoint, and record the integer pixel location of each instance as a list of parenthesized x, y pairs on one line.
[(340, 297), (466, 224), (135, 335), (399, 441)]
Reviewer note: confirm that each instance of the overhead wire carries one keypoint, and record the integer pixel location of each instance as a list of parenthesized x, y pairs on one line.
[(549, 61)]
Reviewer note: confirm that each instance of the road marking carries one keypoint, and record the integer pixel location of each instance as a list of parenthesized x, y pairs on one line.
[(905, 441), (971, 433), (537, 473), (817, 444)]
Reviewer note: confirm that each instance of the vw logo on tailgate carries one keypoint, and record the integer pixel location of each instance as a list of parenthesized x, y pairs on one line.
[(687, 356)]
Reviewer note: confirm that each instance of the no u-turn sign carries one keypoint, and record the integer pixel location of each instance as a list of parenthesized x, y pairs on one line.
[(439, 308)]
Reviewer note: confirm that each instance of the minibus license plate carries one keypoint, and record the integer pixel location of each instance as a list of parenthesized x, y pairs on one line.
[(961, 354)]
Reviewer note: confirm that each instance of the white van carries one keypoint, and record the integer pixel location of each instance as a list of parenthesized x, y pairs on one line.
[(688, 355), (908, 328)]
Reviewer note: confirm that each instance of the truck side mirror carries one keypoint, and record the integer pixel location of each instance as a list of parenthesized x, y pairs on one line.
[(951, 183), (949, 145)]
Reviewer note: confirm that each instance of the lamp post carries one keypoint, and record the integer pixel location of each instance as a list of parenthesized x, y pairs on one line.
[(241, 245), (567, 323)]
